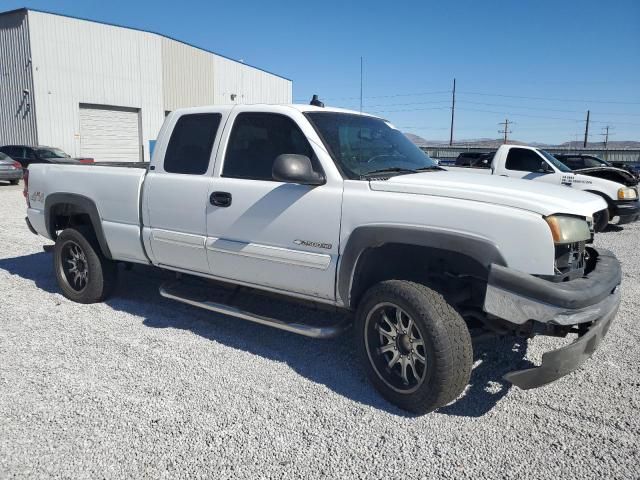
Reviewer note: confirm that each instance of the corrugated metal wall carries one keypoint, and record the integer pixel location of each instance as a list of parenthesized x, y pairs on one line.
[(17, 109), (248, 84), (187, 76), (77, 61)]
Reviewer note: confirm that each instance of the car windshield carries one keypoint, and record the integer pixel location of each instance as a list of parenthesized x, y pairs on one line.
[(51, 153), (554, 161), (594, 162), (362, 145)]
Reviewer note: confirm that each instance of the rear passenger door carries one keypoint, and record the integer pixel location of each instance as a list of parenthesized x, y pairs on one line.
[(282, 236), (176, 192)]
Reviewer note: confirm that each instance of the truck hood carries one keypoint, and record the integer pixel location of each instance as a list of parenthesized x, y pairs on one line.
[(536, 197)]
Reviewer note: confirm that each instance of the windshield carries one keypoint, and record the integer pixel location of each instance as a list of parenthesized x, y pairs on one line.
[(554, 161), (361, 145), (51, 153), (594, 162)]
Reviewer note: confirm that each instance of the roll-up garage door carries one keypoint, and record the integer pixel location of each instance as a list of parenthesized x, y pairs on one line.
[(110, 134)]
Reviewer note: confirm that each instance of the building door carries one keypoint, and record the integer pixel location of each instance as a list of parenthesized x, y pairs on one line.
[(110, 134)]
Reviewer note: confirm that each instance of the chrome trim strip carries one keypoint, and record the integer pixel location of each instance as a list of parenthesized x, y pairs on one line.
[(299, 258)]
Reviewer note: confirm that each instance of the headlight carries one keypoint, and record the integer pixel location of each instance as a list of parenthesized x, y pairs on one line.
[(566, 229), (627, 193)]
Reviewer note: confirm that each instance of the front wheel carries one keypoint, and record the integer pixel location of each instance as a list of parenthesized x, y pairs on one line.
[(83, 273), (416, 348)]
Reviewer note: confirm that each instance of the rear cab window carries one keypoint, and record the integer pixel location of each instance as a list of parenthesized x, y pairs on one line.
[(523, 160), (191, 142)]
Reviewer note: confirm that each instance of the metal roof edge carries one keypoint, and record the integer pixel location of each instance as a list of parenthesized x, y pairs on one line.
[(26, 9)]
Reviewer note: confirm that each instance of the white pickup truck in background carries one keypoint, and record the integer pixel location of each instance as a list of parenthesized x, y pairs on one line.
[(531, 163), (317, 208)]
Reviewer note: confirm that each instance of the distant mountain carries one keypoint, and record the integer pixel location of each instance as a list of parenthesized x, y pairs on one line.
[(417, 139)]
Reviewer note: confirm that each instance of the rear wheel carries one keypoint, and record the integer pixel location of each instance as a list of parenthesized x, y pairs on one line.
[(83, 273), (415, 347), (14, 182)]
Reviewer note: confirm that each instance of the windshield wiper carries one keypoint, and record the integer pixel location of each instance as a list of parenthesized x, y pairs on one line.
[(388, 170), (431, 168)]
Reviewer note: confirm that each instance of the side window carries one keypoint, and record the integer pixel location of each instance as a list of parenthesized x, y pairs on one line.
[(523, 160), (257, 139), (574, 163), (29, 153), (191, 142)]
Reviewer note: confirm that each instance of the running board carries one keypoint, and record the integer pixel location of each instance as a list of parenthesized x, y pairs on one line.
[(257, 308)]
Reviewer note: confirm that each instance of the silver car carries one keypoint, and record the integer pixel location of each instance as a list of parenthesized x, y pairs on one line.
[(10, 170)]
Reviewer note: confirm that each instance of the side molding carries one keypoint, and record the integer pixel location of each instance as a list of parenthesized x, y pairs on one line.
[(82, 204), (372, 236)]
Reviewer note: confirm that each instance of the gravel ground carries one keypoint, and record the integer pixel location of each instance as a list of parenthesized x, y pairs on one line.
[(141, 386)]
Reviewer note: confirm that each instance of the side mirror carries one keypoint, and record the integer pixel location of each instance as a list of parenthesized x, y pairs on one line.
[(544, 168), (293, 168)]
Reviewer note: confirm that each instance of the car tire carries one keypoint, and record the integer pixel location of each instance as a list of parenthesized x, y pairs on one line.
[(14, 182), (601, 220), (430, 336), (83, 273)]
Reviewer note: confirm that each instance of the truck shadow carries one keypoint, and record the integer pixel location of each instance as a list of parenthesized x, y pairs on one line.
[(328, 362)]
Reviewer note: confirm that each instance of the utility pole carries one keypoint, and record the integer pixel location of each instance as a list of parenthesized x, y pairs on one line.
[(586, 131), (505, 130), (605, 134), (453, 111), (360, 84)]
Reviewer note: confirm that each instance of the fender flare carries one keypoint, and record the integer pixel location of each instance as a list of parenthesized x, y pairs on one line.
[(362, 238), (83, 205)]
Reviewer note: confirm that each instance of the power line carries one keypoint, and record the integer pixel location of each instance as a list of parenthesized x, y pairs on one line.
[(550, 98)]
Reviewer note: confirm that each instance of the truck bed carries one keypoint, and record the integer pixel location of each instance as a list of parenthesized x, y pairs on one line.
[(112, 188)]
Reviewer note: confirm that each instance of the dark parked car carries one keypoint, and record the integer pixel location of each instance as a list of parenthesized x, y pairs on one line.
[(590, 164), (475, 159), (28, 154), (10, 170)]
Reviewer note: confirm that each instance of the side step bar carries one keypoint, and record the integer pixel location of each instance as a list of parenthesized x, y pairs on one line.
[(257, 308)]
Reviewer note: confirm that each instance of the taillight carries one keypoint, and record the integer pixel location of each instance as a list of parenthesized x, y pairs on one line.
[(25, 190), (17, 165), (85, 160)]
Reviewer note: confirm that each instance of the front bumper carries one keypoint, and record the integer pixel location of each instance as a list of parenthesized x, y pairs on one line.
[(627, 210), (590, 302)]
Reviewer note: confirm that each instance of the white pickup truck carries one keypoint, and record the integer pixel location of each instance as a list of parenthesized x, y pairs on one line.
[(531, 163), (303, 207)]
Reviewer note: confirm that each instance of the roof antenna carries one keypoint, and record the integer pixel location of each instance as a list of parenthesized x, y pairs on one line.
[(316, 102)]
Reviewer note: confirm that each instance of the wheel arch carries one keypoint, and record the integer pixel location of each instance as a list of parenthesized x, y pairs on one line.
[(368, 244), (81, 209)]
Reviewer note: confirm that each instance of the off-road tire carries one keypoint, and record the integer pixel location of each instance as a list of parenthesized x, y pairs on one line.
[(102, 272), (447, 344)]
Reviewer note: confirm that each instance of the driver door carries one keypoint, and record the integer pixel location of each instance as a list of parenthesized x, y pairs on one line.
[(262, 232), (528, 165)]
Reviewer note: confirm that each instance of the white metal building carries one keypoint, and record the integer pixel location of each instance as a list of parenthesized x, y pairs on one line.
[(102, 91)]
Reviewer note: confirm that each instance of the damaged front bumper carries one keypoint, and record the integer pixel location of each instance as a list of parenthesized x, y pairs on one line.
[(589, 303), (627, 210)]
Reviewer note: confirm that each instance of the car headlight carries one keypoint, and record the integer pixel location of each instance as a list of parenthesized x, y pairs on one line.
[(627, 193), (566, 229)]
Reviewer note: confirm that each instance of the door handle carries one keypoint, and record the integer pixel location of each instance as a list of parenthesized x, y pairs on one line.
[(220, 199)]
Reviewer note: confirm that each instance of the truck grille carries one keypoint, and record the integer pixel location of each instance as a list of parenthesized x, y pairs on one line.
[(570, 261)]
